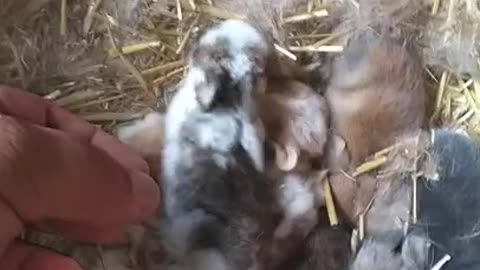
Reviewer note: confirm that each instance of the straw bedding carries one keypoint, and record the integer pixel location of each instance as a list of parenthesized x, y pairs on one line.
[(114, 60)]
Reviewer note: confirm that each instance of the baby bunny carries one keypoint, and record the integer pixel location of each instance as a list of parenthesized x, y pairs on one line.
[(295, 126), (376, 254), (295, 120), (326, 248), (448, 207), (381, 200), (217, 201), (376, 94), (446, 234)]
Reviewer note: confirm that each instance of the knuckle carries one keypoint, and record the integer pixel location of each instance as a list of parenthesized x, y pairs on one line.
[(12, 136), (15, 170), (5, 95)]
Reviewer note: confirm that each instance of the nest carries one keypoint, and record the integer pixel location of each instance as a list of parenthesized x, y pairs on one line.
[(111, 61)]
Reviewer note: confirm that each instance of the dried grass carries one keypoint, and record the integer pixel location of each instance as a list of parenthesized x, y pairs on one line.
[(112, 60)]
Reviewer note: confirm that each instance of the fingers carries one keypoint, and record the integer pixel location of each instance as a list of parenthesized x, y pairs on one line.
[(86, 233), (34, 109), (20, 256), (50, 176), (121, 153)]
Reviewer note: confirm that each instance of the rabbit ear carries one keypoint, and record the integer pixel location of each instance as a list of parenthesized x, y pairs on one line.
[(286, 157)]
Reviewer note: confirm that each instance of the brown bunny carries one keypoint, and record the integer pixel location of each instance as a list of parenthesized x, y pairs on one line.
[(383, 196), (375, 95), (295, 121), (294, 118)]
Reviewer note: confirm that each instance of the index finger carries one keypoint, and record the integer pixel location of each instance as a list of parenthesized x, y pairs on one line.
[(34, 109)]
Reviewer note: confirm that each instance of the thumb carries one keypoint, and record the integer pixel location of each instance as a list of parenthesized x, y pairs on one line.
[(20, 256)]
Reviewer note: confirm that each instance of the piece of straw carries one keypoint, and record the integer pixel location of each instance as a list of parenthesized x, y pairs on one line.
[(306, 16), (186, 37), (470, 113), (429, 72), (435, 7), (451, 9), (384, 151), (78, 96), (415, 186), (447, 111), (162, 68), (219, 13), (332, 214), (442, 262), (476, 90), (96, 102), (165, 78), (405, 227), (440, 92), (179, 10), (133, 70), (415, 200), (134, 48), (468, 95), (310, 5), (88, 21), (285, 52), (109, 19), (361, 227), (192, 4), (326, 48), (63, 18), (53, 95), (354, 241), (327, 40), (432, 136), (309, 36), (369, 166)]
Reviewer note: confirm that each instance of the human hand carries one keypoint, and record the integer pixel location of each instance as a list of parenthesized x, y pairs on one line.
[(60, 174)]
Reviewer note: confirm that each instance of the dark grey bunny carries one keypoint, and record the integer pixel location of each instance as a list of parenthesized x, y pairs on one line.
[(446, 235), (384, 254)]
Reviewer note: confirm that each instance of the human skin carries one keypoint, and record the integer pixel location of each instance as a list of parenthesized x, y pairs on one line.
[(60, 174)]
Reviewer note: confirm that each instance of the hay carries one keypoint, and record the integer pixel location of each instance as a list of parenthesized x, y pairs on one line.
[(447, 35), (114, 60)]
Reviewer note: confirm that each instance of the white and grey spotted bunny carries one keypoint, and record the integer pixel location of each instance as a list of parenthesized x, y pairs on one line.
[(217, 201)]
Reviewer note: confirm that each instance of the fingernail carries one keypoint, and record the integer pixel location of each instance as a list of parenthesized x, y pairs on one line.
[(146, 193)]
